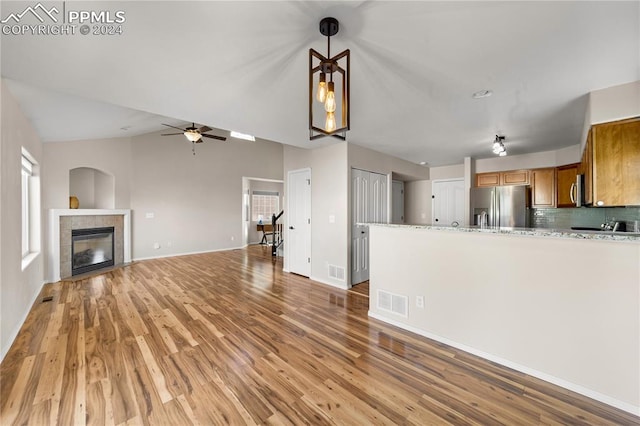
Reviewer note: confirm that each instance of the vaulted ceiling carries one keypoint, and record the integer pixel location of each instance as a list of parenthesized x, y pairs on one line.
[(242, 65)]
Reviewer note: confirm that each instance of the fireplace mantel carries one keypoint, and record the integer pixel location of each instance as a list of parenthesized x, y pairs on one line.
[(54, 233)]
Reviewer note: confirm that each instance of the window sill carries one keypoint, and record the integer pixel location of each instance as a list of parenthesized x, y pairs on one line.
[(26, 261)]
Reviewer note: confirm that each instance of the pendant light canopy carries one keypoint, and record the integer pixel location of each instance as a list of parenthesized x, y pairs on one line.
[(328, 88)]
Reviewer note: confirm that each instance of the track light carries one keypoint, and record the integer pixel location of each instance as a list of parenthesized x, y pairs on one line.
[(498, 146)]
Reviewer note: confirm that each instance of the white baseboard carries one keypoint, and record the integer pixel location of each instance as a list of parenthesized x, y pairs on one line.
[(521, 368), (341, 286), (188, 253), (14, 333)]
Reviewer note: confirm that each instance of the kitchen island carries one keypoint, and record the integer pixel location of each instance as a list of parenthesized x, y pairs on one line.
[(560, 305)]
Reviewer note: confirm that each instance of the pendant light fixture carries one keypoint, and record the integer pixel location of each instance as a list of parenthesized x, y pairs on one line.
[(498, 146), (329, 103)]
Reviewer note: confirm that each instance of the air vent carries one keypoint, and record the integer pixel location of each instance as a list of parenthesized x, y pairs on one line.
[(336, 272), (393, 303)]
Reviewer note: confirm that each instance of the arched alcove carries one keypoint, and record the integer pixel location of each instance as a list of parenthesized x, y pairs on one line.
[(94, 188)]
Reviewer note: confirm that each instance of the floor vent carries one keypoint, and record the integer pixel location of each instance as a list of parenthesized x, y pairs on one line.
[(47, 299), (394, 303), (336, 272)]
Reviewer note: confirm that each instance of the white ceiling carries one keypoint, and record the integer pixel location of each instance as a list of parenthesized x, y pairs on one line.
[(242, 66)]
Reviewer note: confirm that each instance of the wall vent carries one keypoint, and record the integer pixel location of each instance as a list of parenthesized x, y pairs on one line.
[(336, 272), (393, 303)]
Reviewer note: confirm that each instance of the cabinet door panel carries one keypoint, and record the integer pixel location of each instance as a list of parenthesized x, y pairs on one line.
[(487, 179), (616, 163), (566, 179), (515, 177), (543, 187)]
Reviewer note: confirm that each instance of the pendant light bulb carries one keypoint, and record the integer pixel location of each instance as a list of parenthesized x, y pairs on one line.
[(330, 102), (330, 124), (321, 93)]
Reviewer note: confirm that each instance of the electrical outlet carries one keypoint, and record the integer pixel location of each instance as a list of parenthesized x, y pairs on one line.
[(233, 238), (156, 246), (420, 302)]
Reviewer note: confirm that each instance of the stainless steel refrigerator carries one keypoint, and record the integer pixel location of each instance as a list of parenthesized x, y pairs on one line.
[(505, 206)]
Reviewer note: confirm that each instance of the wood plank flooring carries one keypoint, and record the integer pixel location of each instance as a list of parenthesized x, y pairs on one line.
[(228, 338)]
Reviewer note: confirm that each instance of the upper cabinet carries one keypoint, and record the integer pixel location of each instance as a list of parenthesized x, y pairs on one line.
[(543, 187), (511, 177), (615, 163), (566, 185)]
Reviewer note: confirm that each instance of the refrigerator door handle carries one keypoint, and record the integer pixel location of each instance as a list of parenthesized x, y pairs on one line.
[(491, 209), (572, 193), (497, 201)]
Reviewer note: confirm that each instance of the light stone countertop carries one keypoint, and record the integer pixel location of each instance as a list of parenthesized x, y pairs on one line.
[(531, 232)]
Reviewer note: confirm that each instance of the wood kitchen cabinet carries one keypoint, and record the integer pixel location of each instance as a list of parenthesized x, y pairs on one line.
[(511, 177), (514, 177), (543, 187), (616, 163), (586, 168), (488, 179), (565, 185)]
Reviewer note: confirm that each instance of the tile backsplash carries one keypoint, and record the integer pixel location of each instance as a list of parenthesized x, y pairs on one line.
[(585, 216)]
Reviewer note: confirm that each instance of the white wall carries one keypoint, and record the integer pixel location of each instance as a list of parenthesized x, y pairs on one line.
[(82, 185), (536, 160), (18, 288), (455, 171), (615, 103), (195, 200), (538, 309), (417, 205)]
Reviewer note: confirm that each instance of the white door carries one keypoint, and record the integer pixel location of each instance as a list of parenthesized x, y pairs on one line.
[(298, 238), (448, 202), (397, 201), (360, 206), (368, 205)]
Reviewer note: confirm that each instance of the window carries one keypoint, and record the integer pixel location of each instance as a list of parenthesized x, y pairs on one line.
[(30, 208), (264, 204)]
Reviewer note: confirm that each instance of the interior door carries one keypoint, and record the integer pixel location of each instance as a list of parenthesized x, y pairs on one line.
[(448, 202), (397, 201), (369, 192), (298, 230), (360, 206)]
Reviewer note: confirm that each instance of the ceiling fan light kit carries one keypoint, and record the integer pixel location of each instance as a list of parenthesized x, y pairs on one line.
[(194, 134), (498, 146), (329, 70)]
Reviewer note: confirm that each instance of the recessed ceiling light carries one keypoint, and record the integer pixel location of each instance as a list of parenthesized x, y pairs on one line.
[(125, 128), (482, 94), (244, 136), (423, 163)]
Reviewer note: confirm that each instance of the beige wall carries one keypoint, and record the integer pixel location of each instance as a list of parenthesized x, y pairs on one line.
[(615, 103), (18, 288), (329, 182), (195, 200), (417, 204), (554, 318)]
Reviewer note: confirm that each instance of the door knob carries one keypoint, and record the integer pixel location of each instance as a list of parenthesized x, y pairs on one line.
[(291, 227), (362, 232)]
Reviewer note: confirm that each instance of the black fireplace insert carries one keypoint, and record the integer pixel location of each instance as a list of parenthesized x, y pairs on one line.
[(91, 249)]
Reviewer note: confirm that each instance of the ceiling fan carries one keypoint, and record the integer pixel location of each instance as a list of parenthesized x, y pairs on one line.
[(193, 133)]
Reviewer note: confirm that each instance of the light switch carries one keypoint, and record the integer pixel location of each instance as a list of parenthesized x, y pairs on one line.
[(150, 215), (332, 218)]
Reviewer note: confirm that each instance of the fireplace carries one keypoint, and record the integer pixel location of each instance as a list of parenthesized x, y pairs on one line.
[(91, 249)]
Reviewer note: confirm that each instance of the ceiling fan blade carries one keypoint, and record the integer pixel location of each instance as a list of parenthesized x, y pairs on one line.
[(205, 129), (169, 125), (220, 138), (171, 134)]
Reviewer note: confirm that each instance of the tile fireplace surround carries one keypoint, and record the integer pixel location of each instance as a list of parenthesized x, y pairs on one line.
[(62, 221)]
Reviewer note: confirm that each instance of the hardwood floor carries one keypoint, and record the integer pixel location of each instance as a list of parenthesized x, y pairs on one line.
[(227, 338)]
